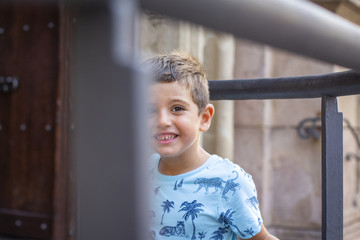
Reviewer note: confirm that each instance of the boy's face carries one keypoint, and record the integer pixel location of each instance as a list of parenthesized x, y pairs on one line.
[(175, 122)]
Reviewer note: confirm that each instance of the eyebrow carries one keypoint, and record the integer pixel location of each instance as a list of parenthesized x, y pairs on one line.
[(179, 100)]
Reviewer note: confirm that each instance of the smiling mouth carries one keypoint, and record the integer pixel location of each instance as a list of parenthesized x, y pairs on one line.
[(164, 138)]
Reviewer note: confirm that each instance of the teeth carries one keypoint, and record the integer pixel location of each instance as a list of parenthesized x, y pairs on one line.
[(165, 138)]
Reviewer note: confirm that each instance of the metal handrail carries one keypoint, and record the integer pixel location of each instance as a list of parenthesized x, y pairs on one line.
[(297, 26), (316, 86)]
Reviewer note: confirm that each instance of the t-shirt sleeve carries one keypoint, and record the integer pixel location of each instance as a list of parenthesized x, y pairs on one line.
[(240, 206)]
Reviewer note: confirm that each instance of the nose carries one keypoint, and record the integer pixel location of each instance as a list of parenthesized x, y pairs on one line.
[(163, 119)]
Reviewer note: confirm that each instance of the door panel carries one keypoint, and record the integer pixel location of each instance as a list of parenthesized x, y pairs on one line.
[(28, 51)]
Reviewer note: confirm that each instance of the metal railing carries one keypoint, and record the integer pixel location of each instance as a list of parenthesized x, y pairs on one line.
[(297, 26)]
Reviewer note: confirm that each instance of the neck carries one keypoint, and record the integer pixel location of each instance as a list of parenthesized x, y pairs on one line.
[(184, 163)]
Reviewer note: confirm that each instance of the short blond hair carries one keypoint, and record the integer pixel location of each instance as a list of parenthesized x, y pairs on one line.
[(182, 68)]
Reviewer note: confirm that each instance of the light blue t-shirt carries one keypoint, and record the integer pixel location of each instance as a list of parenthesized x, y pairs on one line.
[(215, 201)]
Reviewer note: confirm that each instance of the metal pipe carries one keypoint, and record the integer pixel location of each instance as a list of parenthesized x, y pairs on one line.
[(334, 84), (108, 114), (297, 26)]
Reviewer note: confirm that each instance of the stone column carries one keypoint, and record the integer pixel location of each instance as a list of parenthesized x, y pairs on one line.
[(158, 35), (253, 119), (349, 106), (219, 65)]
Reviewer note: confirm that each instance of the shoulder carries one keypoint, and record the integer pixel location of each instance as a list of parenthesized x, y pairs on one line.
[(220, 161), (237, 180), (225, 166)]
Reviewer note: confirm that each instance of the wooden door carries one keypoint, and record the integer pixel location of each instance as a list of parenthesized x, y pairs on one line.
[(29, 43)]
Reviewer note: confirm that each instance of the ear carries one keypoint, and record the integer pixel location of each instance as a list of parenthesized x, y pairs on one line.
[(206, 116)]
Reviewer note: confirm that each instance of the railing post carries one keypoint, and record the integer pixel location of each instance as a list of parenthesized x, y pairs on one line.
[(332, 170), (109, 124)]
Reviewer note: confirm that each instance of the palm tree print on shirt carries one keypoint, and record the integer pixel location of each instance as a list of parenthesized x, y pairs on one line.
[(202, 234), (226, 219), (166, 208), (156, 190), (250, 231), (192, 210), (219, 234)]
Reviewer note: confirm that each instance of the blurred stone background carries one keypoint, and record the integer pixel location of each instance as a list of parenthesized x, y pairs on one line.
[(261, 135)]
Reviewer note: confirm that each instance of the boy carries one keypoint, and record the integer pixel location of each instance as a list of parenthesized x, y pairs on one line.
[(195, 195)]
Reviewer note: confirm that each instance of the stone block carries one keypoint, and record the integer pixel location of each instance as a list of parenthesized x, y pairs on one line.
[(249, 113), (352, 231), (349, 106), (158, 34), (289, 112), (296, 176), (193, 39), (249, 60), (286, 64), (249, 154), (351, 178)]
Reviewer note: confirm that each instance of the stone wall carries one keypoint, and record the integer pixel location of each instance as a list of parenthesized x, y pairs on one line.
[(285, 167)]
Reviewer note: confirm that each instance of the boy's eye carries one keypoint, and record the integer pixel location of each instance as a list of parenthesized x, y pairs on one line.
[(177, 108)]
